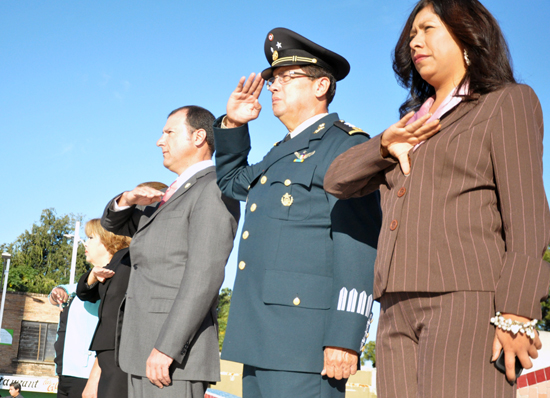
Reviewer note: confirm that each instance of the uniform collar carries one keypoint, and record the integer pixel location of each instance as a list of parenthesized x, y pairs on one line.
[(304, 125), (315, 131)]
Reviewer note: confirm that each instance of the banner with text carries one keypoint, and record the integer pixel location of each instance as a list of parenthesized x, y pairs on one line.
[(30, 383)]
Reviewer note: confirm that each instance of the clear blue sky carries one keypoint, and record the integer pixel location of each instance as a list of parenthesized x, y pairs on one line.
[(86, 85)]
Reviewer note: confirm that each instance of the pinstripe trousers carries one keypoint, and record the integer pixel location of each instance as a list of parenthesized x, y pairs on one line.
[(437, 345)]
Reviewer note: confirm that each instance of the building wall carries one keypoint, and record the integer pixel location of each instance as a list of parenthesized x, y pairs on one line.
[(25, 307), (535, 382)]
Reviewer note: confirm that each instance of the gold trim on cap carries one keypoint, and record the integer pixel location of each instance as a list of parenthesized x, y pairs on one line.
[(294, 59)]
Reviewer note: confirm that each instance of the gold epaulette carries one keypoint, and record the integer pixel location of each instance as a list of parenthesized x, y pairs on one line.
[(349, 128)]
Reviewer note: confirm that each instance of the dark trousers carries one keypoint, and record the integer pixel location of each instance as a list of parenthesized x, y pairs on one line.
[(437, 345), (113, 382), (266, 383), (70, 387)]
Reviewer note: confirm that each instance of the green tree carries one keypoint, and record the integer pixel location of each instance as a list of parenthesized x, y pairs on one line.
[(224, 302), (41, 256), (369, 354)]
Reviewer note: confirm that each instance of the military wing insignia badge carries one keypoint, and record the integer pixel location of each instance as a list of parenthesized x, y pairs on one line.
[(349, 128), (319, 128), (302, 156)]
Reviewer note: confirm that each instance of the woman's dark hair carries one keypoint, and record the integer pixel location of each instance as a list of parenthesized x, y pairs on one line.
[(477, 31)]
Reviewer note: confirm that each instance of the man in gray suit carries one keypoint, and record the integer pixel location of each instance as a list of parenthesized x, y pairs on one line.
[(181, 242)]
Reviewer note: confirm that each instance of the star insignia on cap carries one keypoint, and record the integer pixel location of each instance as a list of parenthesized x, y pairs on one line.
[(279, 45)]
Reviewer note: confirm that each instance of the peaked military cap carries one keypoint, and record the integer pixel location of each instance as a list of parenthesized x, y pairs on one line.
[(283, 47)]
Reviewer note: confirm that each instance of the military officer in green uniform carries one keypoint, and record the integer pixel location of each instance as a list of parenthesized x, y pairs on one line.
[(303, 292)]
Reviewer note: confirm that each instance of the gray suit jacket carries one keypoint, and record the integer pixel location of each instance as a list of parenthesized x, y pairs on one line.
[(472, 215), (178, 254)]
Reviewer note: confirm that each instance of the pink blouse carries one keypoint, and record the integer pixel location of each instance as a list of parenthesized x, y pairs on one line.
[(448, 103)]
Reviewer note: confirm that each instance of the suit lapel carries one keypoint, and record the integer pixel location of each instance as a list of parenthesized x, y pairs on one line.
[(458, 112), (451, 117), (178, 194), (188, 184)]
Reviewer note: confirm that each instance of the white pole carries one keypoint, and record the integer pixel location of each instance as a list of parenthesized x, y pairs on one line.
[(6, 273), (76, 240)]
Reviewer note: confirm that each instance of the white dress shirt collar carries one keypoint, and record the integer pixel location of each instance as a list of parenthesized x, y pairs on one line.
[(191, 171), (304, 125)]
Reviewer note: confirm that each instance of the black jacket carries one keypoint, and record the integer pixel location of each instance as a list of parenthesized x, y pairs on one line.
[(111, 293)]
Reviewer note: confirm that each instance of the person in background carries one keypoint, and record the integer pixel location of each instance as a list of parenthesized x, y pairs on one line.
[(106, 282), (15, 389), (466, 219), (76, 365)]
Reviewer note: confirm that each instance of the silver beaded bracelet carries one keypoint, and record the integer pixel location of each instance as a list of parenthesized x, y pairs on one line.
[(514, 327)]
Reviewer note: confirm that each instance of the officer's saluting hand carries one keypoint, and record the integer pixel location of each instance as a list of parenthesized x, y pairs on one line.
[(243, 105)]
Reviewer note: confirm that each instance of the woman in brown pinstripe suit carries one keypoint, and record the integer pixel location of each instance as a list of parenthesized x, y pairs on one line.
[(466, 220)]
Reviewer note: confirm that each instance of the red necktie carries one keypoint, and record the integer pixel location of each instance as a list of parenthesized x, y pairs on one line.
[(169, 192)]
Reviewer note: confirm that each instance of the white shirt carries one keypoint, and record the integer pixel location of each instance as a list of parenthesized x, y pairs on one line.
[(306, 124), (191, 171)]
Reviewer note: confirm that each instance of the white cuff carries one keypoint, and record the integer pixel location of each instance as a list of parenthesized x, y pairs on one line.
[(116, 207)]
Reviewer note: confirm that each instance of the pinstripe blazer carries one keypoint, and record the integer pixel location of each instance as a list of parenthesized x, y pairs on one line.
[(472, 215)]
